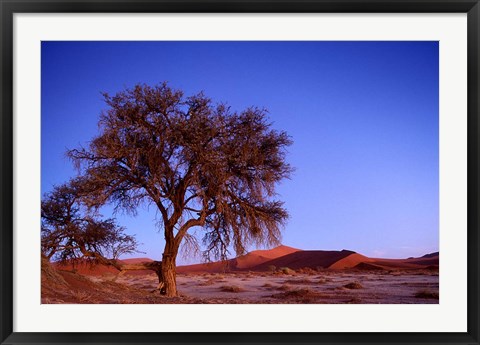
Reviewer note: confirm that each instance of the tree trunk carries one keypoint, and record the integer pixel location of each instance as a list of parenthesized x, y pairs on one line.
[(169, 274)]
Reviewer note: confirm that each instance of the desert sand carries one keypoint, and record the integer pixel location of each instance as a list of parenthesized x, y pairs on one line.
[(281, 275)]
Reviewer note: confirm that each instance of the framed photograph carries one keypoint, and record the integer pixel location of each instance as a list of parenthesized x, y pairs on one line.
[(239, 172)]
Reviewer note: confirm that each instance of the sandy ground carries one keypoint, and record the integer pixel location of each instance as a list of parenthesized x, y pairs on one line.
[(323, 277), (326, 287)]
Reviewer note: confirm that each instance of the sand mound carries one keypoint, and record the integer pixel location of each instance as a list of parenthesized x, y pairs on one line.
[(306, 258), (396, 264), (97, 270), (136, 260), (247, 261), (50, 276), (425, 260), (211, 267), (86, 268), (364, 266), (350, 261), (275, 252), (258, 257), (242, 263), (431, 255)]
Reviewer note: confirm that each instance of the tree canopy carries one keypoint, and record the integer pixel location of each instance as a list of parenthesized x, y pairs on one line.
[(202, 165), (69, 232)]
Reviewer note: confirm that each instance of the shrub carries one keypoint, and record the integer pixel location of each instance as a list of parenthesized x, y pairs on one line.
[(307, 270), (231, 288), (299, 281), (272, 268), (426, 294), (287, 270), (300, 295), (354, 285), (284, 287)]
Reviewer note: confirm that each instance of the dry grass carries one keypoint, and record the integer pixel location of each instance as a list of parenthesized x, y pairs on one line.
[(208, 289), (353, 286), (287, 271), (81, 296), (307, 270), (231, 288), (427, 294), (300, 281), (50, 275), (354, 300), (284, 287), (300, 295), (212, 281)]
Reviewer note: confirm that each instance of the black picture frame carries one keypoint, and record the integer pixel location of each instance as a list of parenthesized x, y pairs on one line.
[(9, 8)]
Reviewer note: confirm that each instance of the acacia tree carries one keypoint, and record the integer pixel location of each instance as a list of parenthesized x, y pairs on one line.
[(201, 164), (70, 233)]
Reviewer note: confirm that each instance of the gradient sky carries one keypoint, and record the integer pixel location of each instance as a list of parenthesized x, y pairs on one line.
[(363, 117)]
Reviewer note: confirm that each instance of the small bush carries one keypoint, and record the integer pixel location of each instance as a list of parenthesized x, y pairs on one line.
[(354, 301), (284, 287), (353, 286), (231, 288), (300, 295), (208, 282), (272, 268), (287, 270), (426, 294), (307, 270), (303, 281)]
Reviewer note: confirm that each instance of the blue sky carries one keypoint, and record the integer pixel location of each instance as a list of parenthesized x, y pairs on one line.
[(363, 117)]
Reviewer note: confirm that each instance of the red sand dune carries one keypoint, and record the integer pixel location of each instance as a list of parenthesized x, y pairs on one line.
[(136, 260), (434, 260), (282, 256), (258, 257), (296, 259), (244, 262), (428, 261), (431, 255), (263, 260), (86, 269), (365, 266), (410, 263), (350, 261), (211, 267), (305, 258)]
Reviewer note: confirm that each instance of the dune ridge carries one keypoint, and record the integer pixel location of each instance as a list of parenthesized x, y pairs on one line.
[(282, 256), (243, 262)]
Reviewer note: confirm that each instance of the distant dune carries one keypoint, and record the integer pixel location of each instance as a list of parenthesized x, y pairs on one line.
[(350, 261), (136, 260), (258, 257), (244, 262), (306, 258), (84, 268), (282, 256), (431, 255)]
